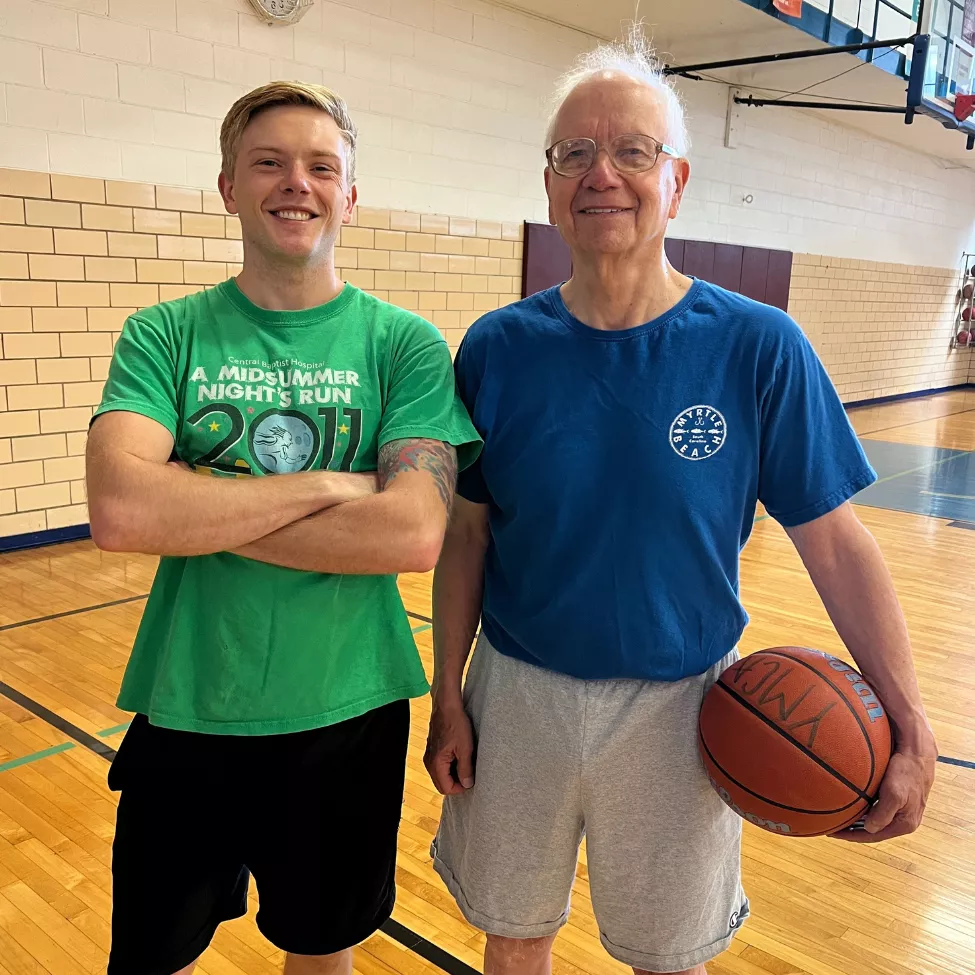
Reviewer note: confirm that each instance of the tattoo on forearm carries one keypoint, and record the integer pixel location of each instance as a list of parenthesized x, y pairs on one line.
[(436, 458)]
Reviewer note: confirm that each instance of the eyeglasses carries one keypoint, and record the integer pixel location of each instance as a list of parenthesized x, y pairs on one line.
[(628, 154)]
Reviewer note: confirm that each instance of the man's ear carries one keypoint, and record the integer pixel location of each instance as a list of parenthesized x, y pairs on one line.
[(226, 187), (351, 198)]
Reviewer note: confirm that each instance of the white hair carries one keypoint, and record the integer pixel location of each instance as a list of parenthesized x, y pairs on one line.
[(633, 57)]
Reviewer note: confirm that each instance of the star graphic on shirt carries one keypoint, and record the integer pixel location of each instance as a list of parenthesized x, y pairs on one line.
[(214, 426), (343, 429)]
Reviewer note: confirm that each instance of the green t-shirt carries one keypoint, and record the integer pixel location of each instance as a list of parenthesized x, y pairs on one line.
[(229, 645)]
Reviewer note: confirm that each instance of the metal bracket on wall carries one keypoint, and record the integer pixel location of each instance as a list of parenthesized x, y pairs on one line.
[(732, 118)]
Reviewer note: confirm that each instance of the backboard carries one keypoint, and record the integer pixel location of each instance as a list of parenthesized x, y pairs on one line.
[(949, 70)]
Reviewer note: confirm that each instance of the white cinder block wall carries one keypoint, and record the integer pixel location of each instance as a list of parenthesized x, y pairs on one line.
[(450, 98), (446, 94)]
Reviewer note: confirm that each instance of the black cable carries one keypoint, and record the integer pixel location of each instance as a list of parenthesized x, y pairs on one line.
[(835, 77), (825, 81)]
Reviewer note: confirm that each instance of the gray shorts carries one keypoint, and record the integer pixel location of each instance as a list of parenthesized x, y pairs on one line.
[(615, 761)]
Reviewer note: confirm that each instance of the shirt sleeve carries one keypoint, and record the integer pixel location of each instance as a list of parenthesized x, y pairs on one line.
[(422, 399), (810, 458), (142, 374), (471, 485)]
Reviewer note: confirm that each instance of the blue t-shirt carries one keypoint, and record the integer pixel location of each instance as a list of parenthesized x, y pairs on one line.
[(622, 471)]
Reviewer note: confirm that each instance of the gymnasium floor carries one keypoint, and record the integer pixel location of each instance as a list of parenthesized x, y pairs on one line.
[(821, 907)]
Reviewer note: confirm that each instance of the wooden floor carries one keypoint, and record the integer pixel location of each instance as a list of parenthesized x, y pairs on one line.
[(819, 906)]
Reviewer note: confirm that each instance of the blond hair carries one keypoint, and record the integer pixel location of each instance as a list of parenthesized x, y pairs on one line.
[(633, 57), (284, 93)]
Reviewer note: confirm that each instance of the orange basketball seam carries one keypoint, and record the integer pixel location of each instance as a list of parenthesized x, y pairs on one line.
[(825, 678), (798, 744), (772, 802)]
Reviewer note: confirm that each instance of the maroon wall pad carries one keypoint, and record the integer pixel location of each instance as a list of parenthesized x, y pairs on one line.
[(675, 252), (546, 262), (756, 272), (727, 266), (779, 279), (699, 259)]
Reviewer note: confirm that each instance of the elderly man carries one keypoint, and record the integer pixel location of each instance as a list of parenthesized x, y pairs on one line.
[(632, 420)]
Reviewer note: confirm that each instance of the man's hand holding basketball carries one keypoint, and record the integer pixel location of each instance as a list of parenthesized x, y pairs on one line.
[(903, 793)]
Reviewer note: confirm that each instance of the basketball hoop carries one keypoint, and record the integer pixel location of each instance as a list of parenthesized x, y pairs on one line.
[(964, 107)]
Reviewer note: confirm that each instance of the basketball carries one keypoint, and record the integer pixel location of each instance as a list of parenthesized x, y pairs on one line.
[(795, 741), (963, 337)]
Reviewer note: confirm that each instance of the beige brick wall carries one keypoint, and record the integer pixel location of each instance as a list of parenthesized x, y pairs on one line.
[(880, 329), (78, 255)]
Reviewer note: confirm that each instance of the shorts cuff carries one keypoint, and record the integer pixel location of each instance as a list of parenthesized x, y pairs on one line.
[(330, 944), (492, 925), (672, 963), (180, 961)]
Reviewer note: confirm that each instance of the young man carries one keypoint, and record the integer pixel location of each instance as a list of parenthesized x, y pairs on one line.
[(632, 419), (271, 674)]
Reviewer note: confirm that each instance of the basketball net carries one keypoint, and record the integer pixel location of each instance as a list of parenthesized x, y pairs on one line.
[(964, 106)]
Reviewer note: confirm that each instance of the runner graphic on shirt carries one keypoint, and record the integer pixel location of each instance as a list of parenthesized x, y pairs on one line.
[(280, 440)]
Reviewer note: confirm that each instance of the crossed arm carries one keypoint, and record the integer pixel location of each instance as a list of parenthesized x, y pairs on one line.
[(320, 521), (400, 529)]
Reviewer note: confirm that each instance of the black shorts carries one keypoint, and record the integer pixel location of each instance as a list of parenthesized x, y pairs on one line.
[(312, 815)]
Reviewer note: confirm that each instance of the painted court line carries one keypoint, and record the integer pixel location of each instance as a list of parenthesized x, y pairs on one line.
[(57, 749), (56, 721), (71, 612), (426, 949), (37, 756), (868, 434), (959, 762), (923, 467), (108, 732)]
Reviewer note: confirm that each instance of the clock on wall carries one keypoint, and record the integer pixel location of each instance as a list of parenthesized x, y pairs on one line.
[(281, 11)]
